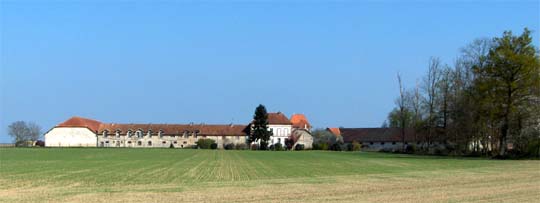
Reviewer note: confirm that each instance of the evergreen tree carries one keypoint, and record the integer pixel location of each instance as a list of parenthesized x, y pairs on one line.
[(259, 127)]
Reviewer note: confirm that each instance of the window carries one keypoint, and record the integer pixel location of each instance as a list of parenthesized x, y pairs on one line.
[(117, 134), (139, 133), (186, 134), (371, 143), (160, 133), (382, 143), (149, 143), (279, 140), (105, 133), (149, 133), (417, 142), (107, 142), (175, 142), (129, 142), (139, 143), (278, 132), (164, 142), (184, 142), (393, 143)]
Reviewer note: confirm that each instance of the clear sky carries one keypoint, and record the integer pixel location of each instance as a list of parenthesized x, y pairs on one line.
[(214, 62)]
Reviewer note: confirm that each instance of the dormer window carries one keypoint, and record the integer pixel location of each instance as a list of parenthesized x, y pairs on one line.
[(149, 133), (160, 133), (105, 133), (186, 134), (117, 133), (128, 133), (139, 133)]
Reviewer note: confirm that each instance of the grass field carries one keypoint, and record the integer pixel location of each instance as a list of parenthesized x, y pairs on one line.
[(172, 175)]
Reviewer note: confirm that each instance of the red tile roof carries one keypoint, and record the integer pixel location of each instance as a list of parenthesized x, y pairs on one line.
[(81, 122), (334, 131), (278, 119), (300, 121), (178, 129)]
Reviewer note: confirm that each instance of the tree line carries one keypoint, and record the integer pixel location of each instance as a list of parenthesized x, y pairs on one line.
[(486, 103)]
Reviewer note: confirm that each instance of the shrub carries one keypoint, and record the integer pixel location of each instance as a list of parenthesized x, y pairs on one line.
[(40, 143), (23, 143), (356, 146), (278, 147), (228, 146), (213, 146), (348, 147), (289, 144), (241, 146), (299, 147), (205, 143), (336, 147), (263, 146), (254, 147), (533, 148), (410, 149)]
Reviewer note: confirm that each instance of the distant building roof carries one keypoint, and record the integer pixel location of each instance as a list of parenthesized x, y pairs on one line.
[(178, 129), (77, 121), (167, 129), (300, 121), (278, 119), (334, 131), (376, 134)]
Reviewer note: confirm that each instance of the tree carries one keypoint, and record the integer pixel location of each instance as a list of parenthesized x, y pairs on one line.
[(430, 89), (396, 119), (511, 72), (259, 128), (22, 131), (401, 102), (322, 139)]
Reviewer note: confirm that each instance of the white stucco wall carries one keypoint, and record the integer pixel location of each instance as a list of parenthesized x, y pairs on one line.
[(280, 133), (70, 137)]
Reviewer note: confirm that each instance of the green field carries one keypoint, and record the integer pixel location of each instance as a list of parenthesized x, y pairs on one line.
[(172, 175)]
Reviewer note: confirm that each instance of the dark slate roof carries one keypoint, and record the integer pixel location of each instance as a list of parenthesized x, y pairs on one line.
[(376, 134)]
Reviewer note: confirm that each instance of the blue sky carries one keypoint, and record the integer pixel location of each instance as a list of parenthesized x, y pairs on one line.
[(214, 62)]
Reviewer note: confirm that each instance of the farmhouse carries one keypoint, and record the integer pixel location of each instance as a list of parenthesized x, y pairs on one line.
[(84, 132)]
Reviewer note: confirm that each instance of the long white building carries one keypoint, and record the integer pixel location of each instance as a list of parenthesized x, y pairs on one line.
[(84, 132)]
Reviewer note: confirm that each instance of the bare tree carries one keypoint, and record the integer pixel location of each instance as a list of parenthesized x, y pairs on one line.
[(34, 131), (401, 102), (22, 131), (430, 87)]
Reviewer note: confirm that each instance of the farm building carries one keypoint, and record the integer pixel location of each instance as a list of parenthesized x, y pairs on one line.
[(386, 139), (84, 132)]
